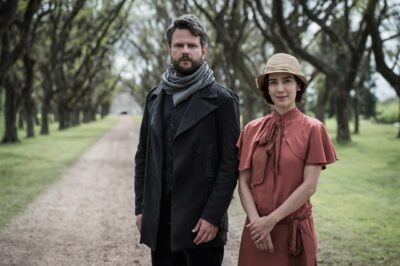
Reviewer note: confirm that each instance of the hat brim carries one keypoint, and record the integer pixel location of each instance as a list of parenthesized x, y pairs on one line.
[(260, 78)]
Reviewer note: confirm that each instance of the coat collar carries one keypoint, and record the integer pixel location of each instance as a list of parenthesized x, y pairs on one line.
[(198, 108)]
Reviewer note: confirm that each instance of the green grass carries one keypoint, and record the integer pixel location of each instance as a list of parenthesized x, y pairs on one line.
[(29, 167), (357, 204), (356, 207), (388, 111)]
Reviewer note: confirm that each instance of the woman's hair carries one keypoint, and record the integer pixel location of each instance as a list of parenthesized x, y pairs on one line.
[(299, 94), (191, 23)]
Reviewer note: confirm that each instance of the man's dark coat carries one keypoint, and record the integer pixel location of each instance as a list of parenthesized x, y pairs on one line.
[(204, 166)]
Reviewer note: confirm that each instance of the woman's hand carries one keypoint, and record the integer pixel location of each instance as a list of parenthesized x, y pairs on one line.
[(260, 231), (265, 244)]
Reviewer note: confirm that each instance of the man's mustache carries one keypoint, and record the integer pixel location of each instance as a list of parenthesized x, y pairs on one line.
[(185, 58)]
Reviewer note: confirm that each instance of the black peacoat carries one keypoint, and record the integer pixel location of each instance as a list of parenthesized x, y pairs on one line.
[(204, 166)]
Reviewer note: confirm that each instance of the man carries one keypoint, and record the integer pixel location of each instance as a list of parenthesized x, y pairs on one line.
[(186, 163)]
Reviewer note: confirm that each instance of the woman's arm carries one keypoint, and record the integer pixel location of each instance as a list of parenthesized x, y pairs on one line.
[(246, 197), (262, 227)]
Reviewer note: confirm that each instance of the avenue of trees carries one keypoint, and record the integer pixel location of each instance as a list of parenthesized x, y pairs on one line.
[(342, 43), (57, 58)]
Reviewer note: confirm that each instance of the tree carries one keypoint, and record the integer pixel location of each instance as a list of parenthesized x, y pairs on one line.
[(234, 32), (14, 41), (342, 30), (386, 16)]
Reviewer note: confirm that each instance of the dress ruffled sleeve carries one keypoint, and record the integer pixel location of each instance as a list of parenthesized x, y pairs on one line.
[(244, 151), (320, 147)]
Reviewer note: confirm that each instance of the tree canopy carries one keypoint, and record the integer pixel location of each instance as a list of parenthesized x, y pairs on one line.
[(58, 58)]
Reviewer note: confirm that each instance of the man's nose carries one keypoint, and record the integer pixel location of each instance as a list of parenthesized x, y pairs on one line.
[(185, 49)]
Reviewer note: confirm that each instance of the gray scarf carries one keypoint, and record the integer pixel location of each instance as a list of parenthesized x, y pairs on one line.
[(182, 88)]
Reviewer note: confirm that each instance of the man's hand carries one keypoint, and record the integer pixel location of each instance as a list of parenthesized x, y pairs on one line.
[(139, 222), (205, 231)]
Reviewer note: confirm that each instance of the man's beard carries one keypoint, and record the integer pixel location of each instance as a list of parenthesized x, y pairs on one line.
[(186, 71)]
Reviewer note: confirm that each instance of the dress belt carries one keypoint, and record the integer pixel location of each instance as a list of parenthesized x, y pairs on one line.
[(295, 235)]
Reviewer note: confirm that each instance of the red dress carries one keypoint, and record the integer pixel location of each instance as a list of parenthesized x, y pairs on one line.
[(276, 149)]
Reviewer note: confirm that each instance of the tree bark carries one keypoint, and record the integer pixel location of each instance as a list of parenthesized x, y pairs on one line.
[(10, 113), (342, 117), (44, 126), (29, 116), (398, 133), (322, 100), (20, 118), (75, 121), (28, 102), (47, 97), (356, 108), (63, 116)]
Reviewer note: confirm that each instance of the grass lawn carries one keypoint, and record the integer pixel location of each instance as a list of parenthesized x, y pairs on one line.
[(357, 204), (28, 167)]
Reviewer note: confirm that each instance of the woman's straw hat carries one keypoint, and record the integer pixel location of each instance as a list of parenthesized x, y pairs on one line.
[(282, 63)]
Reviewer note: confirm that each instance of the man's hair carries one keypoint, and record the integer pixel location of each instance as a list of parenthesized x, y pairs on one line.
[(191, 23)]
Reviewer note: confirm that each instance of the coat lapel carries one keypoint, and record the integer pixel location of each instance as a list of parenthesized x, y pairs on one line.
[(155, 111), (197, 109)]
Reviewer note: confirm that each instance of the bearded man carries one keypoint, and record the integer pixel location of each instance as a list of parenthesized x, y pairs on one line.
[(186, 163)]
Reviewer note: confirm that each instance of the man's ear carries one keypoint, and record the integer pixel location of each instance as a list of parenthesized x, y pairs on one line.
[(204, 52)]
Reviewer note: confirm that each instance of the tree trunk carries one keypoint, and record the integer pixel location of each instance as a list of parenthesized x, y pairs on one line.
[(47, 87), (322, 100), (20, 118), (93, 113), (248, 112), (44, 127), (28, 103), (37, 120), (356, 109), (29, 116), (105, 108), (88, 114), (1, 99), (75, 121), (10, 113), (398, 133), (64, 116), (342, 118)]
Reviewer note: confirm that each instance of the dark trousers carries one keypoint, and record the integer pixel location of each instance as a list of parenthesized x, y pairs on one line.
[(163, 256)]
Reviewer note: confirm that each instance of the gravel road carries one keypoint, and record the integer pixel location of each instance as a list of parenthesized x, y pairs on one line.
[(86, 218)]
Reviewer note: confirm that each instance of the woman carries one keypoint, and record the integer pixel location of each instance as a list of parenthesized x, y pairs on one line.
[(281, 157)]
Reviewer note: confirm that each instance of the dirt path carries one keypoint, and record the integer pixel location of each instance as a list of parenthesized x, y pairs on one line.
[(87, 217)]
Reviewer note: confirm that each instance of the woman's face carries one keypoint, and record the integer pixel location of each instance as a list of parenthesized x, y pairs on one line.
[(282, 88)]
